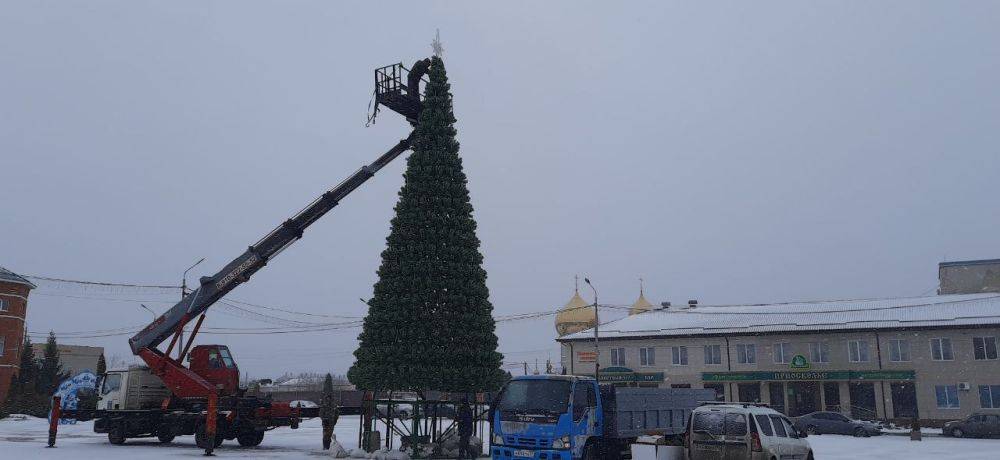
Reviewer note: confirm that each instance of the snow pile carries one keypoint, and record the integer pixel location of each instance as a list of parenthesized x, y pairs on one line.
[(337, 450), (447, 447), (69, 390), (381, 454)]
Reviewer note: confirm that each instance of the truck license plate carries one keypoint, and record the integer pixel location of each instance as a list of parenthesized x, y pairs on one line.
[(524, 453)]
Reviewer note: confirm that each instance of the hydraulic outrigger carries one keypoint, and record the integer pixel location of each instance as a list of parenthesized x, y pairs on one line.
[(210, 385)]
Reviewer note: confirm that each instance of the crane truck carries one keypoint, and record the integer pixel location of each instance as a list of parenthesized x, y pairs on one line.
[(164, 398)]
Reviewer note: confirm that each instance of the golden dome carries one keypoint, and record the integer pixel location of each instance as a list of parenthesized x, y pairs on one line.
[(641, 305), (576, 316)]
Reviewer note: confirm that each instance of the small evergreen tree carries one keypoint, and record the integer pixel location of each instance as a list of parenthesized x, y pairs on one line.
[(429, 324), (23, 397), (102, 366), (50, 374)]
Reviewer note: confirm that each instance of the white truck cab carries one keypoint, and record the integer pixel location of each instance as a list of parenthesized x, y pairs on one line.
[(131, 389)]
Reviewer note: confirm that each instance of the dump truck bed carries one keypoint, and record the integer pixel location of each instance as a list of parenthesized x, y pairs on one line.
[(634, 412)]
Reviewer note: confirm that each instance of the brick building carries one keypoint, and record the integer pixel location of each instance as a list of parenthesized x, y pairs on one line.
[(14, 291)]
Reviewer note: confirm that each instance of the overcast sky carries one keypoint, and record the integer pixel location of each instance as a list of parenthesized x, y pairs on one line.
[(743, 152)]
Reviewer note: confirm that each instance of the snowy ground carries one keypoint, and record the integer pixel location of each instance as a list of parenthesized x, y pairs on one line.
[(25, 439)]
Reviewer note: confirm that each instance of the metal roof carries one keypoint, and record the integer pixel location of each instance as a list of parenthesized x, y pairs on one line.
[(966, 263), (868, 314), (9, 276)]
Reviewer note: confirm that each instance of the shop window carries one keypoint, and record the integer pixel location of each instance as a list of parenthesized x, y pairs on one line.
[(720, 390), (941, 349), (713, 354), (989, 396), (647, 356), (782, 353), (857, 351), (899, 350), (985, 347), (746, 353), (680, 356), (819, 352), (617, 356), (947, 396)]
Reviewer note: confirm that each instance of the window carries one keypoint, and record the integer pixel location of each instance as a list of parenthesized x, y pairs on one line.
[(720, 390), (647, 356), (985, 347), (4, 304), (947, 396), (764, 424), (782, 353), (941, 350), (617, 356), (819, 352), (711, 422), (584, 398), (736, 424), (746, 353), (3, 341), (112, 382), (989, 396), (680, 356), (713, 354), (899, 350), (857, 351), (779, 428)]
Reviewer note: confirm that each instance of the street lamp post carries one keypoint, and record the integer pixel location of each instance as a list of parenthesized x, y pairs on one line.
[(184, 285), (597, 322)]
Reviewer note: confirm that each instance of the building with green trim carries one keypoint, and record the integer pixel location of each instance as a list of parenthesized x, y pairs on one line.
[(933, 357)]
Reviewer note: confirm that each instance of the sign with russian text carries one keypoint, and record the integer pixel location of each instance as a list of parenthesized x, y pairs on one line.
[(807, 375)]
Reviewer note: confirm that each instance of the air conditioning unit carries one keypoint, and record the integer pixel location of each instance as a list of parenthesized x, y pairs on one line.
[(964, 386)]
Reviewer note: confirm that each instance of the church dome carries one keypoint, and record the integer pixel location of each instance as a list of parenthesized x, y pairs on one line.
[(641, 305), (576, 316)]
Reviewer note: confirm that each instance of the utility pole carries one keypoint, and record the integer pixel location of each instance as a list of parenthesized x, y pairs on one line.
[(184, 285), (597, 322), (525, 368)]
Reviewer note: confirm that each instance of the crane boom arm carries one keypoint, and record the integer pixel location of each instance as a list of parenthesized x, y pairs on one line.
[(240, 270)]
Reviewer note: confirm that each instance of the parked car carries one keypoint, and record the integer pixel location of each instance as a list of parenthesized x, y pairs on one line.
[(836, 423), (977, 425), (724, 431)]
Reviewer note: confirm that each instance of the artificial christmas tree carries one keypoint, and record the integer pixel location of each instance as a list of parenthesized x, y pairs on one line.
[(429, 323)]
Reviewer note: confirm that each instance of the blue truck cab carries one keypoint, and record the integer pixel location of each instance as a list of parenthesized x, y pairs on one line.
[(547, 417), (563, 417)]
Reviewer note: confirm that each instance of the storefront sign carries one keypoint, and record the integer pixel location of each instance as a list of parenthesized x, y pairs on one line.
[(586, 356), (806, 375), (626, 375)]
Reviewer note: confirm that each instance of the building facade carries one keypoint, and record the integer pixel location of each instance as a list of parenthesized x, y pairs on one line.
[(14, 290), (73, 358), (935, 357)]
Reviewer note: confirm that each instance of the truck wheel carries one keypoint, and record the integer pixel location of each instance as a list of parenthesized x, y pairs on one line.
[(117, 436), (250, 438), (165, 437)]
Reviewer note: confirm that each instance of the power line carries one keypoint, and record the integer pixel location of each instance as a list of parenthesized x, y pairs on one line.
[(100, 283)]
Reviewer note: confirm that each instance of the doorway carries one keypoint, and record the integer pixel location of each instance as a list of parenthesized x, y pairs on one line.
[(776, 390), (904, 399), (831, 396), (863, 400), (749, 392), (803, 398)]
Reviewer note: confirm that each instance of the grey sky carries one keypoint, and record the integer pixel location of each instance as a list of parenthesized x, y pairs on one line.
[(740, 152)]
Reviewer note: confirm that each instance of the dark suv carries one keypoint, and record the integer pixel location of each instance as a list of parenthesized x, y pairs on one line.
[(977, 425)]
